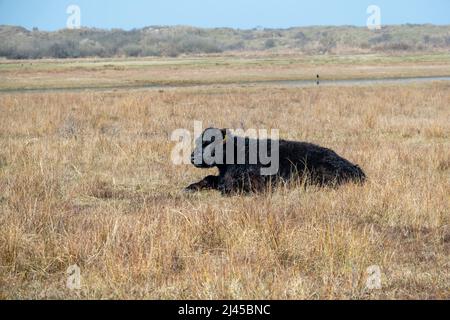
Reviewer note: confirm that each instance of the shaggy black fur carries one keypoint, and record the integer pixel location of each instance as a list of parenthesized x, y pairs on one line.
[(297, 160)]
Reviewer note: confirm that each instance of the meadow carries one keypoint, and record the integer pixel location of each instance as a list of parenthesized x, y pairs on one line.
[(86, 178), (242, 68)]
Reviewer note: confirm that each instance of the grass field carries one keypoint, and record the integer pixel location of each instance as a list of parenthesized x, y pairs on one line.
[(86, 179), (212, 70)]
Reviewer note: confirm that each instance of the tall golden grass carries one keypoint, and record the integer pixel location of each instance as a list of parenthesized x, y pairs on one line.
[(86, 179)]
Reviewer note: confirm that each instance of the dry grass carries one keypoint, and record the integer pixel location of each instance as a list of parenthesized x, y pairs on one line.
[(86, 178)]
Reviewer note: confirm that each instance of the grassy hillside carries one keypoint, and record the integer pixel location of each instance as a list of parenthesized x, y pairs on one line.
[(20, 43)]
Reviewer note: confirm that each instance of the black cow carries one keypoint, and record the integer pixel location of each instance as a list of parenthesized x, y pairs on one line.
[(297, 160)]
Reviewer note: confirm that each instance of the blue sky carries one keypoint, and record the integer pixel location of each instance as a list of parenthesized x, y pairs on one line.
[(51, 14)]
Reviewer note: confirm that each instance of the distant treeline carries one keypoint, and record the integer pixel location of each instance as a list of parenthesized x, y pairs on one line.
[(20, 43)]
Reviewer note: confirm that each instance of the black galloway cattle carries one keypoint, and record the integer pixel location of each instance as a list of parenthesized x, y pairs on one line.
[(296, 160)]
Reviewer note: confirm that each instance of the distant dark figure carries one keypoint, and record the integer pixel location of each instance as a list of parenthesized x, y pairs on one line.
[(318, 80), (297, 160)]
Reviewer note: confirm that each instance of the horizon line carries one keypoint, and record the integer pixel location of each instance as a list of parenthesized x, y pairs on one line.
[(223, 27)]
